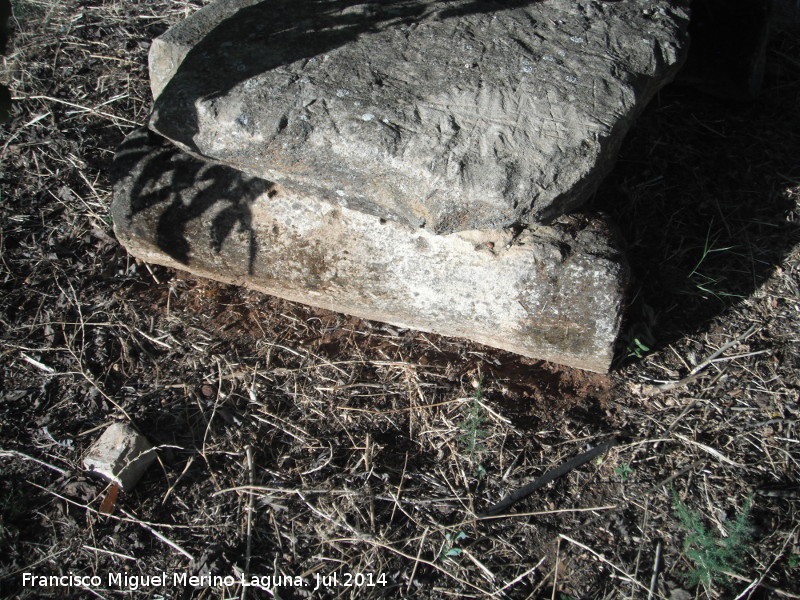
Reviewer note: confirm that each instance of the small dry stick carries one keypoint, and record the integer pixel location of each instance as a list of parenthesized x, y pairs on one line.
[(555, 570), (39, 365), (24, 456), (488, 575), (85, 109), (539, 513), (109, 552), (81, 371), (519, 578), (710, 450), (694, 373), (549, 476), (91, 591), (643, 528), (603, 559), (390, 548), (399, 489), (674, 476), (175, 483), (29, 567), (214, 409), (94, 511), (540, 585), (159, 536), (769, 588), (400, 410), (416, 560), (654, 578), (249, 547), (760, 581)]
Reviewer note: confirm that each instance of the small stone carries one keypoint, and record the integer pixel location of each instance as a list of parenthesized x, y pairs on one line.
[(121, 455), (680, 594)]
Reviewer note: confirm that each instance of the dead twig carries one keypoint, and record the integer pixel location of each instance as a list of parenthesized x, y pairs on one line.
[(157, 535), (695, 372), (656, 567), (715, 453), (759, 581), (249, 509), (129, 518), (22, 455), (628, 577), (549, 476), (419, 560), (520, 577), (84, 109)]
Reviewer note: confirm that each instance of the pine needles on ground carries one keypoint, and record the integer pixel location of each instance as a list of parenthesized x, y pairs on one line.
[(472, 431), (713, 555)]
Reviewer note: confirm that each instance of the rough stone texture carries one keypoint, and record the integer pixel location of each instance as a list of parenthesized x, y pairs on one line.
[(452, 115), (121, 455), (550, 292), (169, 50)]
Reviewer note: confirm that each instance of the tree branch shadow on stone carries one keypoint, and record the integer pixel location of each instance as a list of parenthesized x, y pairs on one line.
[(272, 34), (191, 188), (285, 31)]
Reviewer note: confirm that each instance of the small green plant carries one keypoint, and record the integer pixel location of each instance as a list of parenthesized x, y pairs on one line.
[(639, 339), (450, 547), (637, 348), (472, 431), (704, 282), (794, 561), (623, 471), (712, 555)]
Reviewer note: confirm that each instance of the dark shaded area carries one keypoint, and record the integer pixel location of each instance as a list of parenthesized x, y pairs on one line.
[(699, 194), (728, 47), (162, 174), (5, 15)]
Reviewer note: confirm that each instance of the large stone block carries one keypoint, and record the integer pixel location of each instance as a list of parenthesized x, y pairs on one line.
[(448, 114), (550, 292)]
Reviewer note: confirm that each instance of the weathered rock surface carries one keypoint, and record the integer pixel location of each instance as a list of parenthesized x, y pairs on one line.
[(549, 292), (453, 115), (168, 51)]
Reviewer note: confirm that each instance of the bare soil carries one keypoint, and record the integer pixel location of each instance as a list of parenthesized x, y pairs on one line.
[(298, 442)]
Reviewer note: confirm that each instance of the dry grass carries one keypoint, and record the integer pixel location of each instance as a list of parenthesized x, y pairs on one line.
[(299, 442)]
